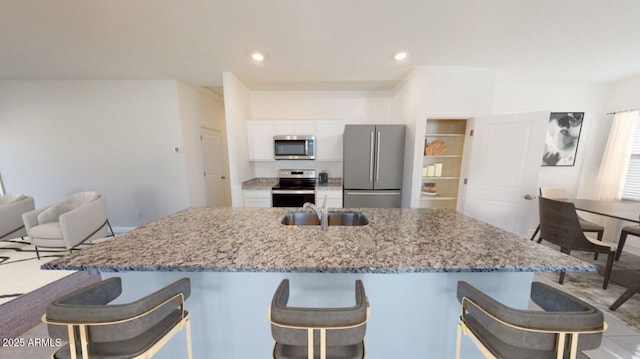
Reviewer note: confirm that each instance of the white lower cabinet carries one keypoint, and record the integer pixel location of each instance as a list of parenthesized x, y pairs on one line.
[(257, 198), (334, 198)]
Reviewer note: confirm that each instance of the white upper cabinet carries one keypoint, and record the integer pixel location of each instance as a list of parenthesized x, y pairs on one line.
[(329, 140), (294, 127), (328, 137), (260, 139), (305, 127), (283, 128)]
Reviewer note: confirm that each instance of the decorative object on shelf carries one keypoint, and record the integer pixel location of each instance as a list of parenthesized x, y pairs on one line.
[(438, 169), (561, 143), (435, 148), (431, 170), (429, 188)]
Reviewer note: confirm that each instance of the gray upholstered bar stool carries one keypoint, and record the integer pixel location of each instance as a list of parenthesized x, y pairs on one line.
[(563, 329), (133, 330), (336, 333)]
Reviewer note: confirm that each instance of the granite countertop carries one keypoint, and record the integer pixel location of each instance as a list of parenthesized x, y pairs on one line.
[(253, 240), (265, 183)]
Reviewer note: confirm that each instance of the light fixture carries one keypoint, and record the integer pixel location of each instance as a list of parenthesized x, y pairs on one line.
[(256, 56), (400, 56)]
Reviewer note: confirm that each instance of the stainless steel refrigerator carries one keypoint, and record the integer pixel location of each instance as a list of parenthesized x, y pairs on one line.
[(372, 165)]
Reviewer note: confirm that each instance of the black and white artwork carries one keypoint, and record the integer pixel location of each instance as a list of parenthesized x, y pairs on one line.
[(562, 138)]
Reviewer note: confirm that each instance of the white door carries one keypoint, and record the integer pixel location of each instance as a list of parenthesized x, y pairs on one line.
[(503, 172), (214, 164)]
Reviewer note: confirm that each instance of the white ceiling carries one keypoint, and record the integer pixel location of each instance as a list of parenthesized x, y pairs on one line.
[(319, 44)]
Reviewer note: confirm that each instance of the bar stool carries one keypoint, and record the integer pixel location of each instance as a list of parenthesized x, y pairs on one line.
[(337, 333), (629, 230), (563, 329), (133, 330)]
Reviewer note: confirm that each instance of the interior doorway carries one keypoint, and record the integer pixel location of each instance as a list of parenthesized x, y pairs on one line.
[(215, 167)]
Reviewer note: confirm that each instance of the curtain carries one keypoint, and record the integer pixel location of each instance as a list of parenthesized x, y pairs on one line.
[(615, 159)]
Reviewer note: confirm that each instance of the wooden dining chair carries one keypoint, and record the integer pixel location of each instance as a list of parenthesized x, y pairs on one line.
[(561, 193), (560, 225)]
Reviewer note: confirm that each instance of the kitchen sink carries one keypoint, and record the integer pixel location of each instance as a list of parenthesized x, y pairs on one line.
[(335, 218)]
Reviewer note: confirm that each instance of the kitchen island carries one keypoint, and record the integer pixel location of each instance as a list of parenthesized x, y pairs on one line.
[(409, 260)]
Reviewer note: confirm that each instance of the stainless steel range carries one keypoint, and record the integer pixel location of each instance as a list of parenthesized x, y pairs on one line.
[(294, 188)]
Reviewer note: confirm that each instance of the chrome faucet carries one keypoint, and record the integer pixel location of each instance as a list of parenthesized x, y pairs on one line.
[(322, 213)]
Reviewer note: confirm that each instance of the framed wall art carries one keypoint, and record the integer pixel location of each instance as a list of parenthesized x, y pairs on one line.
[(561, 142)]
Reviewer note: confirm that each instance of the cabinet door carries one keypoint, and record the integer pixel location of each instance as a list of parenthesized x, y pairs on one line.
[(283, 127), (329, 140), (260, 137), (256, 198), (334, 198), (304, 127)]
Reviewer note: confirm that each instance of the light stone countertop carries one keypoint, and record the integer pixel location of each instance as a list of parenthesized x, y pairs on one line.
[(253, 240), (265, 183)]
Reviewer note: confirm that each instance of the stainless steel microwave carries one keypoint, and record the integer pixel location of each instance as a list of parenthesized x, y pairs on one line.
[(294, 147)]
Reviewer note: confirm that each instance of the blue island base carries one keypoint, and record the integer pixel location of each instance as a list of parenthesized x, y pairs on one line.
[(413, 315)]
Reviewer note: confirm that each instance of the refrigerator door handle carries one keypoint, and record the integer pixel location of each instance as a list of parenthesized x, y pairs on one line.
[(371, 159), (361, 193), (378, 158)]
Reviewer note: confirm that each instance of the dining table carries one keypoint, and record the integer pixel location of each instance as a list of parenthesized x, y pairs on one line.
[(622, 210)]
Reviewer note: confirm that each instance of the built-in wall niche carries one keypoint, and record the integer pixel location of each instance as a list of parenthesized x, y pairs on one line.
[(444, 142)]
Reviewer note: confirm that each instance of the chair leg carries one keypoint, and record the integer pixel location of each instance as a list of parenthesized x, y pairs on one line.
[(110, 229), (600, 233), (561, 280), (623, 298), (607, 272), (535, 232), (458, 340), (37, 253), (188, 333), (621, 241)]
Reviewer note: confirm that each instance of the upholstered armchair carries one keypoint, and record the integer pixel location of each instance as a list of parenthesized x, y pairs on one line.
[(12, 206), (68, 223)]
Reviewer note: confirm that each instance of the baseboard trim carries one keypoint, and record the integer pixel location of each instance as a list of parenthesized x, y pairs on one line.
[(120, 230)]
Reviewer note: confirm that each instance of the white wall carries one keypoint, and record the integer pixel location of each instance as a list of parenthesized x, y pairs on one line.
[(113, 137), (587, 98), (237, 104), (198, 107), (405, 109)]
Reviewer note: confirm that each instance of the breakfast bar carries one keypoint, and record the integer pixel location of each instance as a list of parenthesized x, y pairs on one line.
[(408, 259)]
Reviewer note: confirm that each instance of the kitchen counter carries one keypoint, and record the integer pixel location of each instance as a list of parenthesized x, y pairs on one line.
[(253, 240), (408, 259), (259, 183), (265, 183)]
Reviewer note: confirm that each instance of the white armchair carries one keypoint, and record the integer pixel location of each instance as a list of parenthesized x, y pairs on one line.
[(68, 223), (12, 206)]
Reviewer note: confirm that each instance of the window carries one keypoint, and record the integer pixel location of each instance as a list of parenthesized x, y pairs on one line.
[(631, 188)]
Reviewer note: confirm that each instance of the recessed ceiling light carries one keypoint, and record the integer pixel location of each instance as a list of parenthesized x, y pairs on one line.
[(257, 56), (400, 56)]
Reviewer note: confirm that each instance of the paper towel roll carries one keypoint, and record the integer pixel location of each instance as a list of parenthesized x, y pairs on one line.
[(424, 171), (431, 170)]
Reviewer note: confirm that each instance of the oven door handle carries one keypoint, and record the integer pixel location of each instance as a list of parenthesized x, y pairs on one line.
[(284, 191)]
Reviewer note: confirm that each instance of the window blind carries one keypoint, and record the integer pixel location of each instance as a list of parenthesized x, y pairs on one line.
[(631, 188)]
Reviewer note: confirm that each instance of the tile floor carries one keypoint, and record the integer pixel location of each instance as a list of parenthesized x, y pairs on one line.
[(620, 340)]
